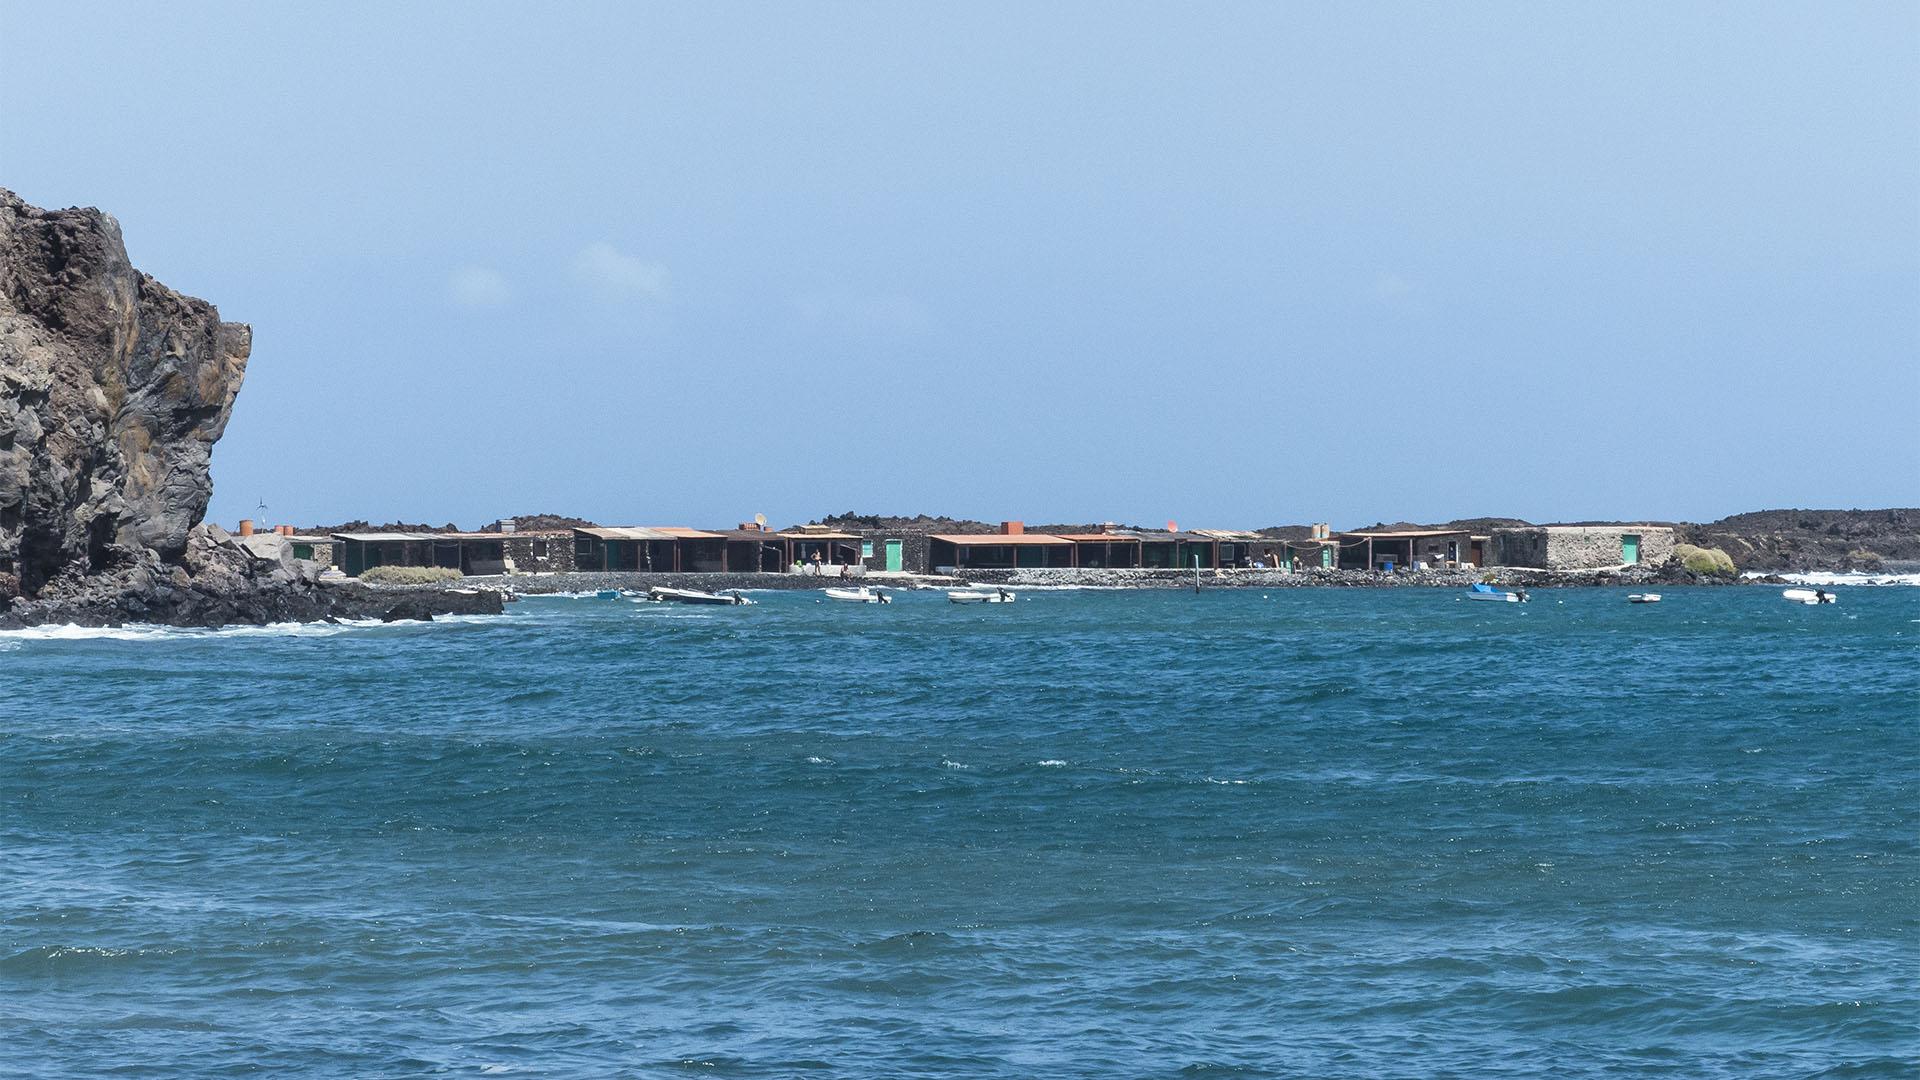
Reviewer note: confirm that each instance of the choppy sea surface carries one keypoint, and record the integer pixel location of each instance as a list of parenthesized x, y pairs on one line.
[(1310, 833)]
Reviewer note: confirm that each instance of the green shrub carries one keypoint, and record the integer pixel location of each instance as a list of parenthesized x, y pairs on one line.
[(409, 575), (1703, 560)]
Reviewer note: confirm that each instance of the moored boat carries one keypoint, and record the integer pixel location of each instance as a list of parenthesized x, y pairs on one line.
[(861, 595), (1810, 596), (1488, 592), (1643, 598), (980, 596), (694, 596)]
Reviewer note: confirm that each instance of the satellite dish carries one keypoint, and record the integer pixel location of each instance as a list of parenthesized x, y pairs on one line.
[(760, 520), (1173, 526)]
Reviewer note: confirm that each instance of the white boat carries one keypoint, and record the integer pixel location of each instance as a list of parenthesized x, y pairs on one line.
[(1488, 592), (1643, 598), (980, 596), (1810, 596), (861, 595), (692, 596)]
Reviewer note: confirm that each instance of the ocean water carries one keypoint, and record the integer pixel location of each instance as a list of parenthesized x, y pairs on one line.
[(1309, 833)]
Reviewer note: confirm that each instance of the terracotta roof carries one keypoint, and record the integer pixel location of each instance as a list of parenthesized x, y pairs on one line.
[(1098, 538), (999, 539)]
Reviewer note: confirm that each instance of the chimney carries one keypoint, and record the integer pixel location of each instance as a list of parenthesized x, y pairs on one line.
[(246, 526), (1013, 528), (749, 526)]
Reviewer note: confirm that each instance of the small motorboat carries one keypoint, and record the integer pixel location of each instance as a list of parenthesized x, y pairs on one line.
[(861, 595), (1488, 592), (980, 596), (693, 596), (607, 594), (1810, 596), (1643, 598)]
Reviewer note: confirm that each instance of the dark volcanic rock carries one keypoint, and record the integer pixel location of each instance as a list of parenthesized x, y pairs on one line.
[(222, 582), (113, 389), (1792, 540)]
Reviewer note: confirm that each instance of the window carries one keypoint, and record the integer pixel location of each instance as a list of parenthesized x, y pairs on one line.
[(539, 549)]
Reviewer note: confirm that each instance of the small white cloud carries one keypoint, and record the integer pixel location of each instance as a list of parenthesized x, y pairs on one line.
[(476, 287), (618, 278)]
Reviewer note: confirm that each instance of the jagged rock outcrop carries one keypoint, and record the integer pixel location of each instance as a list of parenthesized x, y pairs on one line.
[(113, 389)]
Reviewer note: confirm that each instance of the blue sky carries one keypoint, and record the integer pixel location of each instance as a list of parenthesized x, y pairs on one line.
[(1235, 266)]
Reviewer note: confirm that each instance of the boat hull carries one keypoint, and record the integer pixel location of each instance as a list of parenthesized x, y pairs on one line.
[(690, 596)]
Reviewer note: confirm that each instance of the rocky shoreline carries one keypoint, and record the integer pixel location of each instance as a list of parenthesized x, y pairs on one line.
[(221, 582)]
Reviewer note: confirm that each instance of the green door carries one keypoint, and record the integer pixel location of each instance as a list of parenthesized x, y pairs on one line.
[(893, 555), (1629, 549)]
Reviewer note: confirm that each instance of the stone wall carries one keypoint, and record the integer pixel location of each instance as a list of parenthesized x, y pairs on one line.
[(1578, 547), (915, 550), (594, 581), (525, 550), (1585, 548)]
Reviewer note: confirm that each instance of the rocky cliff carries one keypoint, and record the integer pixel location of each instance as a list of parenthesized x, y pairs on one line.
[(113, 389)]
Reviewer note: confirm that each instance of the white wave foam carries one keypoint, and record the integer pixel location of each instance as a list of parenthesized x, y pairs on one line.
[(1851, 577), (155, 632), (1051, 763)]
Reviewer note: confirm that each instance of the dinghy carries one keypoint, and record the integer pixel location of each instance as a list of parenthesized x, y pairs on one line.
[(1643, 598), (1810, 596), (861, 595), (980, 596), (1488, 592)]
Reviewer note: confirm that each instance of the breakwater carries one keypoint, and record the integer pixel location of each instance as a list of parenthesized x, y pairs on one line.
[(1356, 579), (1084, 577), (594, 581)]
